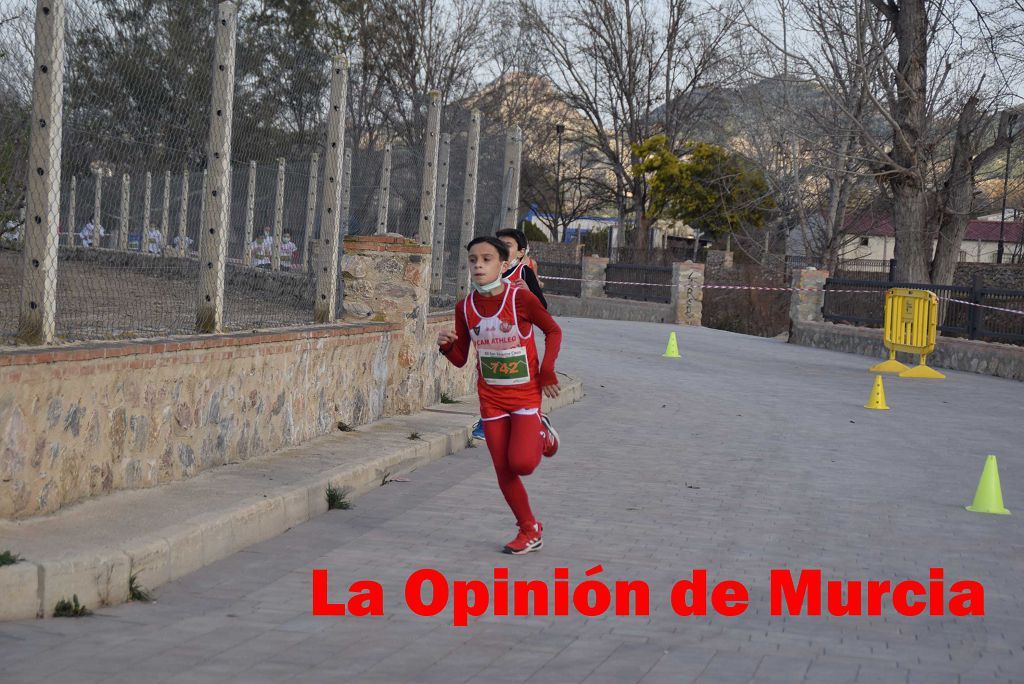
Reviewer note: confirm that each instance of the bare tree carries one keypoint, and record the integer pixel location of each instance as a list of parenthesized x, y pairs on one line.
[(633, 68), (415, 46), (935, 88), (795, 121)]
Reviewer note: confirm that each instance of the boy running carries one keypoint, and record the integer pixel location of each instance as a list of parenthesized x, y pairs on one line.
[(520, 267), (499, 318), (518, 273)]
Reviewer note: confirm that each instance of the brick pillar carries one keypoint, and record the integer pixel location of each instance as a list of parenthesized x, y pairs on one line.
[(688, 292), (387, 278), (805, 306), (594, 269)]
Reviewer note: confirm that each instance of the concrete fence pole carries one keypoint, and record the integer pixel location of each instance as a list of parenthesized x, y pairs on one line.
[(469, 201), (146, 210), (346, 197), (122, 229), (325, 305), (69, 238), (431, 141), (314, 169), (275, 259), (36, 319), (510, 184), (384, 191), (97, 210), (250, 214), (183, 215), (165, 213), (441, 216), (213, 236)]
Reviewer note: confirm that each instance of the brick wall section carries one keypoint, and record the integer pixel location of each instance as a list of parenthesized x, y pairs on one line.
[(85, 420)]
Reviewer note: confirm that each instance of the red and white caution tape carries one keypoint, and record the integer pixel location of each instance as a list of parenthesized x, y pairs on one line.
[(982, 306), (779, 289)]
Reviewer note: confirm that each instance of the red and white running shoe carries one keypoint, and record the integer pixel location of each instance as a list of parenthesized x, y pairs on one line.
[(528, 539), (549, 435)]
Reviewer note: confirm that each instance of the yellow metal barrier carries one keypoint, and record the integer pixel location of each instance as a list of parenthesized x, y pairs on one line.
[(911, 324)]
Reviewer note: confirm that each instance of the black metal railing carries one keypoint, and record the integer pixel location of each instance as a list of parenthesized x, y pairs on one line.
[(878, 270), (558, 269), (866, 307), (652, 283)]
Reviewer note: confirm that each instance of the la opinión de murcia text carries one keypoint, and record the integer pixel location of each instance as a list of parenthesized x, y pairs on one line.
[(429, 593)]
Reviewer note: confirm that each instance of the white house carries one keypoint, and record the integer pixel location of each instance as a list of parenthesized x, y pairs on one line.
[(872, 237)]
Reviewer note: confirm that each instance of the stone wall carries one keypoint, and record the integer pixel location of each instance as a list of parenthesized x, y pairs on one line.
[(85, 420), (685, 307), (988, 358), (1003, 276)]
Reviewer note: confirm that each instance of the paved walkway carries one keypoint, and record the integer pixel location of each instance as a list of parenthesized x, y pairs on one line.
[(744, 455)]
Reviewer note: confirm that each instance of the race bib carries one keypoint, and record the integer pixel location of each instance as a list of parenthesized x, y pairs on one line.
[(504, 367)]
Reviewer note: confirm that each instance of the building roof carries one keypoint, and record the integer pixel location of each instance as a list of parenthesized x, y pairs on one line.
[(880, 225)]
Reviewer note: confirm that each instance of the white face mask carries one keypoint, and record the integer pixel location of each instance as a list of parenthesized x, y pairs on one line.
[(486, 287)]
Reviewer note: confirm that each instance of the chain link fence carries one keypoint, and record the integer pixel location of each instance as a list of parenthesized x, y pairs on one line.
[(130, 131)]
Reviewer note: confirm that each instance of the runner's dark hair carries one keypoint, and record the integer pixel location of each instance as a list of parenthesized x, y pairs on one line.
[(517, 235), (492, 241)]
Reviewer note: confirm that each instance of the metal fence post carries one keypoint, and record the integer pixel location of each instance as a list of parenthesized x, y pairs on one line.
[(441, 218), (314, 169), (892, 270), (384, 191), (327, 249), (214, 233), (39, 276), (430, 144), (122, 231), (275, 258), (469, 200), (974, 318)]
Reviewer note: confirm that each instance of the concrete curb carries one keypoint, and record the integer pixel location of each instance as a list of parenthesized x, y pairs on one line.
[(100, 576)]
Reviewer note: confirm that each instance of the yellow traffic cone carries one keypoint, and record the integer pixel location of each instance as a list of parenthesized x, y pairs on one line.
[(672, 350), (877, 400), (988, 498)]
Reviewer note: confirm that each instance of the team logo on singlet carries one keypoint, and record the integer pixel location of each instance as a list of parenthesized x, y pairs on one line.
[(506, 326), (476, 330)]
